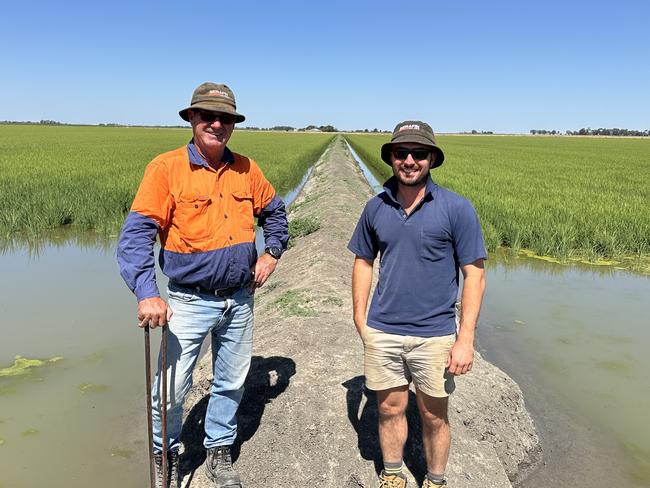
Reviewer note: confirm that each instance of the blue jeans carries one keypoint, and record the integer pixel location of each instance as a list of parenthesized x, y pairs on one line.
[(229, 320)]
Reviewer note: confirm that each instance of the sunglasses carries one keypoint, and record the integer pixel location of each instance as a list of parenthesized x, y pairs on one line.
[(418, 154), (211, 117)]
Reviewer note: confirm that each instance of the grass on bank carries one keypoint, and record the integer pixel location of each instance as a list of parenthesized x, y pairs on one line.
[(87, 177), (571, 198)]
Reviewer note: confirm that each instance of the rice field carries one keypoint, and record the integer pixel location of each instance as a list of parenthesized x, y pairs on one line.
[(566, 197), (86, 177)]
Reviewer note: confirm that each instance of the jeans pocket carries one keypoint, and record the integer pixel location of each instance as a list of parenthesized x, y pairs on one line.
[(181, 296)]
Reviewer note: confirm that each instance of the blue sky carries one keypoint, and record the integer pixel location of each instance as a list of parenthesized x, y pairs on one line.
[(506, 66)]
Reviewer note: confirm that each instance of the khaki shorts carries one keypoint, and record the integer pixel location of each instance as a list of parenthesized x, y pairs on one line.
[(392, 360)]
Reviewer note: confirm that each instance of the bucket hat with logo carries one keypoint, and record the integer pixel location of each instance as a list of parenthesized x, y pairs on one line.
[(413, 131), (214, 97)]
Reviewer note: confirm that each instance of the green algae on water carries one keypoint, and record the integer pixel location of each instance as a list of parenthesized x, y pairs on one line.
[(641, 457), (30, 432), (92, 388), (617, 367), (2, 441), (24, 366)]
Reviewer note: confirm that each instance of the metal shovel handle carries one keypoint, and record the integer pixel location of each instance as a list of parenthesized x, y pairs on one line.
[(147, 362), (163, 403)]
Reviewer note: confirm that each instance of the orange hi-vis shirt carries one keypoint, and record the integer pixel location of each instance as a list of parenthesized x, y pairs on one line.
[(205, 219)]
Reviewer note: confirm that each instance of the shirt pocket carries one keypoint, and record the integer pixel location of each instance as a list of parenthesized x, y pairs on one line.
[(192, 219), (434, 245), (244, 208)]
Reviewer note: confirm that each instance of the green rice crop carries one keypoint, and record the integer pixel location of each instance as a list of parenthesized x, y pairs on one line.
[(566, 197), (86, 177)]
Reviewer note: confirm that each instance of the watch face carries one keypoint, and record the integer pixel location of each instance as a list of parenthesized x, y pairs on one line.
[(276, 252)]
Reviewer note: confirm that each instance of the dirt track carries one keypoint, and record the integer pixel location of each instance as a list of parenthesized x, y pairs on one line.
[(306, 419)]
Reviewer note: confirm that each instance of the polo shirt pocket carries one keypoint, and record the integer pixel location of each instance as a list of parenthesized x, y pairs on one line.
[(244, 207), (192, 219), (434, 246)]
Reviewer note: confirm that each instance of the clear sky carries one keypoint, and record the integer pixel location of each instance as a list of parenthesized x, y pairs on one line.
[(506, 66)]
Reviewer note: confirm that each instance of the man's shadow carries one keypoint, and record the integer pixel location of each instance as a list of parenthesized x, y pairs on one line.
[(365, 424), (266, 380)]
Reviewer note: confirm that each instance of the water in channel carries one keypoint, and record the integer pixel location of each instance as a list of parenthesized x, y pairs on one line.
[(77, 416), (575, 339)]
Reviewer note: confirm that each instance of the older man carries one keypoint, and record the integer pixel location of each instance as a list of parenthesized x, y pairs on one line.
[(424, 234), (201, 200)]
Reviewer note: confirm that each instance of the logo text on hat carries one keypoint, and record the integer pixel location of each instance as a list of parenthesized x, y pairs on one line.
[(409, 127), (218, 93)]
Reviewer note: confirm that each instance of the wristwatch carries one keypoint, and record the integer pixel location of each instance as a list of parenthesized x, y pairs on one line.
[(276, 252)]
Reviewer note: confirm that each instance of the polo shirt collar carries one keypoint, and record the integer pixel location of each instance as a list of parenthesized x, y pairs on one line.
[(198, 160), (391, 189)]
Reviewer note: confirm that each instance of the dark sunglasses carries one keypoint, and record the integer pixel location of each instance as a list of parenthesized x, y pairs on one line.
[(210, 117), (418, 154)]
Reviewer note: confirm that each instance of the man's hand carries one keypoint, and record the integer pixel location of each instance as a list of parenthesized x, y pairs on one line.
[(461, 358), (361, 281), (264, 267), (153, 312)]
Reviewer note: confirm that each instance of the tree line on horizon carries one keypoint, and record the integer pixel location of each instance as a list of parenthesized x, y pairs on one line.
[(594, 132), (616, 132)]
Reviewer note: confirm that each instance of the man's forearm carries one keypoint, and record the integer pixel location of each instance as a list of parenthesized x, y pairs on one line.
[(273, 220), (361, 283), (136, 257), (470, 305)]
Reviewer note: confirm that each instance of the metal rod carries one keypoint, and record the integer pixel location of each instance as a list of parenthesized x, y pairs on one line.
[(147, 363), (163, 401)]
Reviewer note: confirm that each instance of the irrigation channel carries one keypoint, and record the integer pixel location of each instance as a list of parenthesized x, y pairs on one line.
[(79, 417), (575, 339)]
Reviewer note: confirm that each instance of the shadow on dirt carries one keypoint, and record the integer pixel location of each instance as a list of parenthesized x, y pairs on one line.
[(266, 380), (365, 424)]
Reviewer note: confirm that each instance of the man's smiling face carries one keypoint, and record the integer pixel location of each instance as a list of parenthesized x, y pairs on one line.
[(411, 163), (211, 134)]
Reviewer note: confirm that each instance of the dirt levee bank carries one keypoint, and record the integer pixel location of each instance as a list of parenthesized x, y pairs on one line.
[(306, 419)]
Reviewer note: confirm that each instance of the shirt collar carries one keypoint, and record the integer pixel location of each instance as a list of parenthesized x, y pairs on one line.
[(391, 189), (196, 158)]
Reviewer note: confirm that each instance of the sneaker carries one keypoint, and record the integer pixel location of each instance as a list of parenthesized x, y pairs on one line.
[(392, 480), (431, 484), (172, 470), (218, 467)]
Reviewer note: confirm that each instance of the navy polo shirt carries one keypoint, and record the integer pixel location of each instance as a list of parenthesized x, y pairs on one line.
[(420, 256)]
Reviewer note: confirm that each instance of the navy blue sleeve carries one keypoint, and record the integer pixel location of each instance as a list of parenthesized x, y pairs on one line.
[(466, 233), (135, 255), (363, 242), (273, 220)]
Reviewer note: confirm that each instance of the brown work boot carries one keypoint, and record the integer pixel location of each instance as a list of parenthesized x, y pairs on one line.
[(392, 480), (431, 484), (172, 470), (218, 467)]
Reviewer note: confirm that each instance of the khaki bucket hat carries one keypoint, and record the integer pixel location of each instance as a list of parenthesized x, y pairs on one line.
[(214, 97), (413, 131)]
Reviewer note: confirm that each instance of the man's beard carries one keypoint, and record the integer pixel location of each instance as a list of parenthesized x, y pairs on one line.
[(421, 181)]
